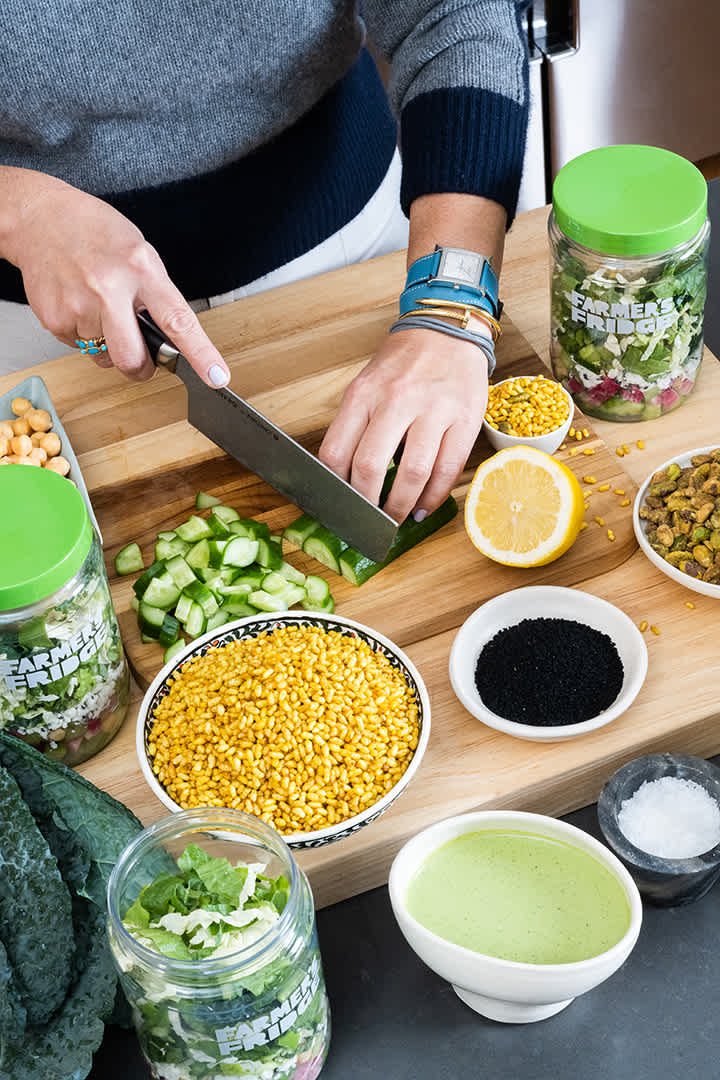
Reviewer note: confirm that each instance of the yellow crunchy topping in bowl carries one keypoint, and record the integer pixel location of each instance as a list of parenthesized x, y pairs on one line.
[(301, 726)]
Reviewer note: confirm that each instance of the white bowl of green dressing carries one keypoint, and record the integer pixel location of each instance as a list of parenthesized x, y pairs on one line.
[(521, 913)]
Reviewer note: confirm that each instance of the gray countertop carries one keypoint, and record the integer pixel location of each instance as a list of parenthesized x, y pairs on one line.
[(655, 1019)]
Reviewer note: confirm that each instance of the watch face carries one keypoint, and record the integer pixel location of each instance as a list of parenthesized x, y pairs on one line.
[(462, 266)]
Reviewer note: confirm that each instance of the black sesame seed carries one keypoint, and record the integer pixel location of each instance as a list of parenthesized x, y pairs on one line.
[(549, 672)]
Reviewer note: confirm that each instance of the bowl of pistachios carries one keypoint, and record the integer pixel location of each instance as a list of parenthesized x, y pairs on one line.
[(676, 518)]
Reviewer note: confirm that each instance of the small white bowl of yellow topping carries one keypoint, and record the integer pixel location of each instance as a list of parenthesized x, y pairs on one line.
[(312, 722), (528, 410)]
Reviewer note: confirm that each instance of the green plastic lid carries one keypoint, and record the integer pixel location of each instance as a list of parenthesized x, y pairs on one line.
[(630, 200), (45, 534)]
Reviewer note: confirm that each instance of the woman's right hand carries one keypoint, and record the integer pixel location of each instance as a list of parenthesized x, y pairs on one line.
[(87, 270)]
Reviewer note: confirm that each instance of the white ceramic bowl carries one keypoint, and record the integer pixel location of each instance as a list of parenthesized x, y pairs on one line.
[(251, 626), (705, 587), (505, 989), (548, 443), (552, 602)]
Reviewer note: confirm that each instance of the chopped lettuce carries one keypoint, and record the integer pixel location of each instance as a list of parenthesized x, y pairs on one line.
[(266, 1020)]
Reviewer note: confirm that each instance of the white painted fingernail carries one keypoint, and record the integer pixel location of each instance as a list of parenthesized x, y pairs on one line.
[(419, 515), (219, 376)]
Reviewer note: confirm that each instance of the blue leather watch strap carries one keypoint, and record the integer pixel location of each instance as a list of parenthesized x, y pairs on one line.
[(465, 277)]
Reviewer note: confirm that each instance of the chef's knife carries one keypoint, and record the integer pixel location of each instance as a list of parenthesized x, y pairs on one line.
[(247, 435)]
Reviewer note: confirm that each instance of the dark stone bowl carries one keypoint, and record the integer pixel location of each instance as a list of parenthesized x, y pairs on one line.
[(665, 882)]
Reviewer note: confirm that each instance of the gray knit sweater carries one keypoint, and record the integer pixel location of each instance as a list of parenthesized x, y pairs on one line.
[(150, 103)]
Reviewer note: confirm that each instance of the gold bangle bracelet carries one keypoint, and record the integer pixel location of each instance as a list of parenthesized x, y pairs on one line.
[(462, 314), (452, 305)]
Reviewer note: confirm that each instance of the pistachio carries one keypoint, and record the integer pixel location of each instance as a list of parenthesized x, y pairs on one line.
[(712, 575), (675, 557), (699, 534), (714, 540), (677, 502), (703, 555), (704, 512), (663, 487), (698, 459), (673, 471), (665, 535), (662, 550), (691, 568), (680, 543), (714, 520)]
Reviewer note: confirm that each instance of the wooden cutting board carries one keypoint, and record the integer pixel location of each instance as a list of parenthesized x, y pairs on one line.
[(429, 590)]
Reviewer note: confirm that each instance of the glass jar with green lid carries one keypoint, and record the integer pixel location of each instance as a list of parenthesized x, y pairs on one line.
[(629, 241), (63, 674)]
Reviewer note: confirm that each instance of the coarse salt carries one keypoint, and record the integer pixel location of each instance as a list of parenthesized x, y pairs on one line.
[(671, 817)]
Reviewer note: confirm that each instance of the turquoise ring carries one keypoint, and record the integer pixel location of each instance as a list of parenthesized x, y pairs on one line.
[(91, 346)]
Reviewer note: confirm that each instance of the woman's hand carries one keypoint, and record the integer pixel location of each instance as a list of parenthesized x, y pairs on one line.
[(427, 388), (87, 270)]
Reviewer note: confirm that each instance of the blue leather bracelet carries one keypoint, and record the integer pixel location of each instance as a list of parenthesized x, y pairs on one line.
[(426, 322), (463, 277)]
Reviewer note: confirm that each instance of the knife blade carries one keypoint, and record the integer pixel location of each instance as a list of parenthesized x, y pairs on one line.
[(244, 433)]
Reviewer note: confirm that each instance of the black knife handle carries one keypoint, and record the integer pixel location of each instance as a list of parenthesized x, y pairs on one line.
[(160, 347)]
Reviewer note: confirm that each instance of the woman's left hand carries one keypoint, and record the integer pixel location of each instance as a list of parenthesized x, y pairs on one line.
[(427, 388)]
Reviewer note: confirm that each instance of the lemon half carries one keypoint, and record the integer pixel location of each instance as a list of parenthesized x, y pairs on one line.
[(523, 508)]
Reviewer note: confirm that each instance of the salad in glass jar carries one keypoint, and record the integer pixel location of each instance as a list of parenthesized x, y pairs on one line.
[(629, 242), (219, 959), (63, 674)]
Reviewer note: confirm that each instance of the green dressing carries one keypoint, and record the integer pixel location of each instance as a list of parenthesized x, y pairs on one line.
[(521, 897)]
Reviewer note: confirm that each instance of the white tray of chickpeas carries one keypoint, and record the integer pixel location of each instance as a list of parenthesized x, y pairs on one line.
[(31, 434)]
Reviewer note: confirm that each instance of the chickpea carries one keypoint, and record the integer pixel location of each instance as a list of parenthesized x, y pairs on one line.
[(21, 426), (58, 464), (49, 441), (4, 445), (6, 430), (39, 419), (38, 455), (36, 437), (21, 445), (20, 405)]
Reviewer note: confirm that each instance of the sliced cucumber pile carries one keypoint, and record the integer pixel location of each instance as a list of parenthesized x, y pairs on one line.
[(212, 570)]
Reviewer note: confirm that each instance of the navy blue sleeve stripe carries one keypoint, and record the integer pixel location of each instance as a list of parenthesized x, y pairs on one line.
[(463, 140)]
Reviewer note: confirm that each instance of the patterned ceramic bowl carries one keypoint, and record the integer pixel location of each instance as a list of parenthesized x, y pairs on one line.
[(252, 626)]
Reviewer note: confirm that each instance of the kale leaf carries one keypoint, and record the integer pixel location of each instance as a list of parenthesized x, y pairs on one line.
[(35, 908)]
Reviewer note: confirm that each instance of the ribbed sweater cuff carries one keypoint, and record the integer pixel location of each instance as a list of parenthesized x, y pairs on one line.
[(463, 140)]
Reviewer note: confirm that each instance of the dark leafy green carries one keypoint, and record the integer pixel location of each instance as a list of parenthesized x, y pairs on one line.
[(12, 1013), (35, 908), (63, 1048)]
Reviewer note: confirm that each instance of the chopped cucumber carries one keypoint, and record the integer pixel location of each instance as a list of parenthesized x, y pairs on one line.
[(219, 618), (240, 551), (294, 594), (183, 606), (325, 608), (238, 609), (218, 528), (167, 549), (250, 575), (157, 624), (162, 592), (298, 530), (199, 555), (199, 592), (274, 582), (326, 547), (203, 501), (318, 592), (225, 513), (172, 650), (181, 573), (265, 601), (194, 529), (172, 535), (147, 640), (153, 571), (129, 559), (196, 622), (268, 554), (216, 549), (234, 590), (289, 572)]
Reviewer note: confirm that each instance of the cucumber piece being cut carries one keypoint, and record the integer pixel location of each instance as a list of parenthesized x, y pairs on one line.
[(357, 568), (326, 547), (298, 530), (129, 559)]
